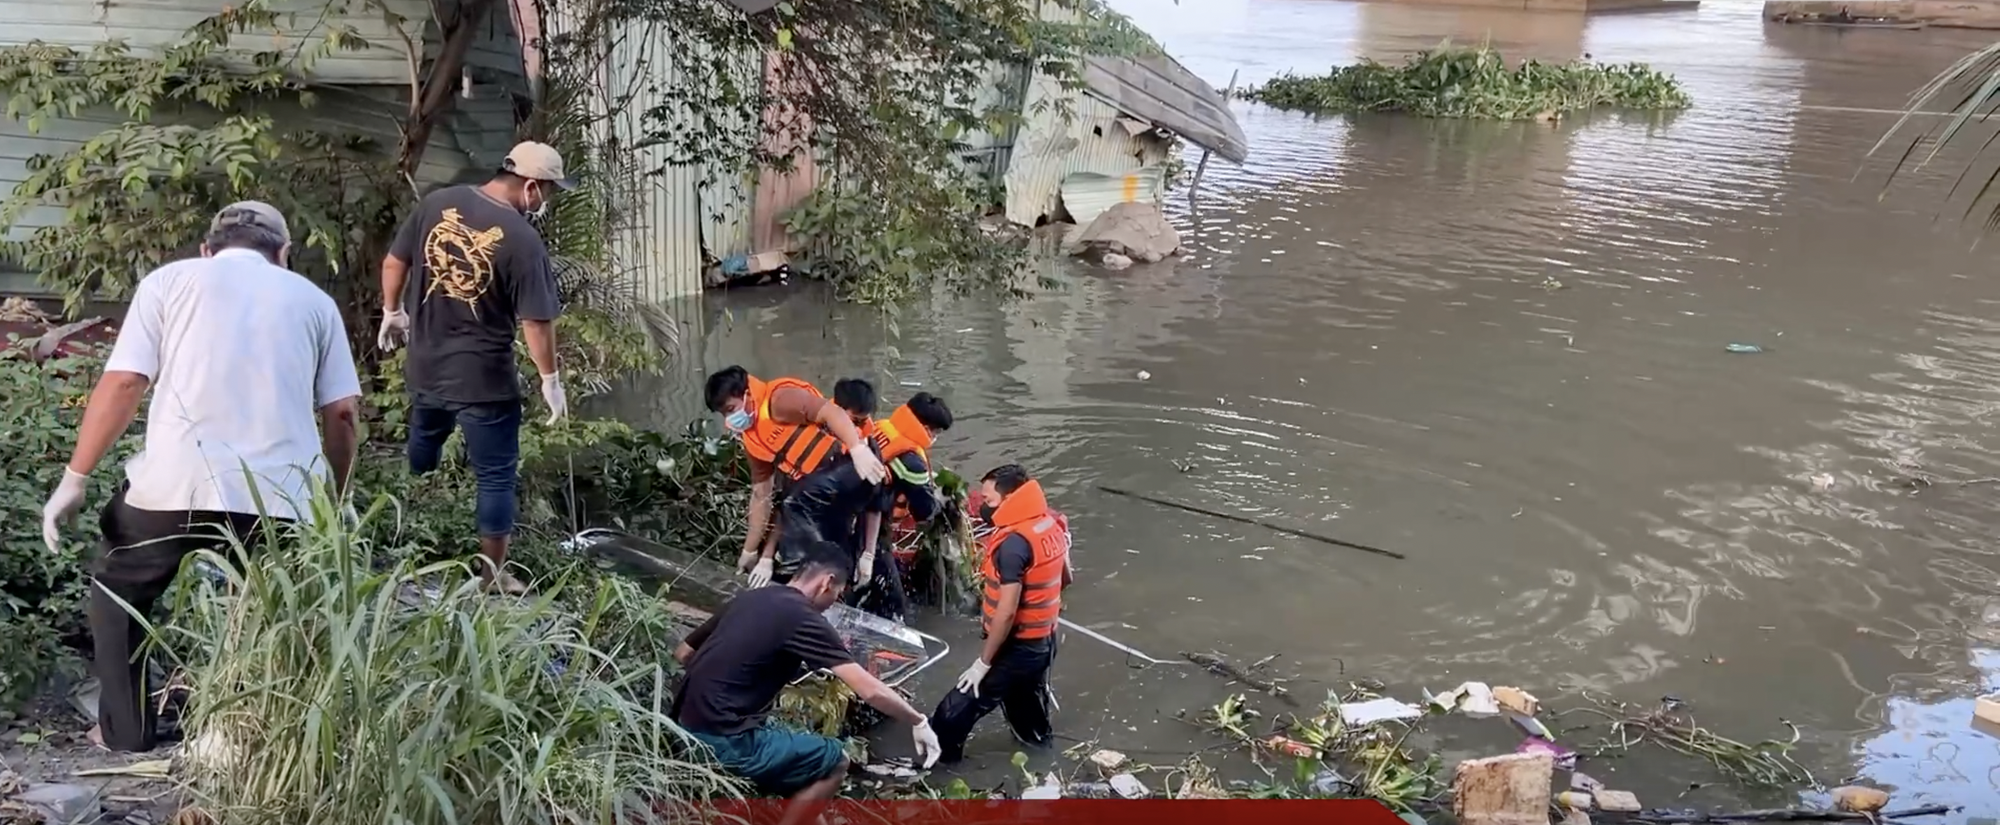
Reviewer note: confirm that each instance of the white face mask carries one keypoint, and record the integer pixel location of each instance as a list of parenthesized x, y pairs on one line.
[(538, 212)]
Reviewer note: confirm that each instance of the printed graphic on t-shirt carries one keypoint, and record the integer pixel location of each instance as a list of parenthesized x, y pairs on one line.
[(459, 259)]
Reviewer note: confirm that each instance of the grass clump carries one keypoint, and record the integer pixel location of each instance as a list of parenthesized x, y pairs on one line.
[(324, 690), (1466, 82)]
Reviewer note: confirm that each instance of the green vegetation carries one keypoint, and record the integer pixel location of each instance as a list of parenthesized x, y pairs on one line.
[(1968, 91), (1462, 82), (324, 690)]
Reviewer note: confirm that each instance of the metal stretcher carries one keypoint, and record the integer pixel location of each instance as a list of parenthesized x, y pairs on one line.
[(892, 651)]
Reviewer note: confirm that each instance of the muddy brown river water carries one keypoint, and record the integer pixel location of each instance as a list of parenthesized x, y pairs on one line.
[(1500, 350)]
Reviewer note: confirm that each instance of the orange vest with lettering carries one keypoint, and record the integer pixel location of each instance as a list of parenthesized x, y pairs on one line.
[(1026, 513), (794, 449)]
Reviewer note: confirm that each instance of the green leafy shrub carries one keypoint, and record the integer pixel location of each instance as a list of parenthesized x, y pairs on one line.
[(1460, 82), (41, 594)]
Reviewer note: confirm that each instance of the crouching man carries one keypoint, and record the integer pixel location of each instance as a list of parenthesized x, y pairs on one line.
[(1025, 568), (746, 653)]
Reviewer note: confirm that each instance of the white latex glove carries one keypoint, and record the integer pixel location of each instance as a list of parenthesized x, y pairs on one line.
[(869, 465), (62, 506), (968, 681), (864, 569), (552, 392), (746, 561), (395, 330), (761, 574), (928, 749)]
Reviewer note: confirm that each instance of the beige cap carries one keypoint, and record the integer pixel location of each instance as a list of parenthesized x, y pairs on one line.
[(538, 161), (252, 213)]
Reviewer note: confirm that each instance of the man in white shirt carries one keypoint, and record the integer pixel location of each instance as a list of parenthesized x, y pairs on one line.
[(240, 353)]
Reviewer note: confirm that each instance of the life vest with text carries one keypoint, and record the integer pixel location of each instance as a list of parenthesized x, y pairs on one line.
[(1026, 513)]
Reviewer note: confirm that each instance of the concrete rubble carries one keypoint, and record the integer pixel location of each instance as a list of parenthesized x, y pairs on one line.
[(1859, 799), (56, 803), (1135, 230), (1503, 790), (1618, 802)]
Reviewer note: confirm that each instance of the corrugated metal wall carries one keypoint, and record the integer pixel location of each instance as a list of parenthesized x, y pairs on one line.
[(777, 192), (1051, 147), (149, 24), (990, 152), (359, 111), (666, 215), (1066, 131)]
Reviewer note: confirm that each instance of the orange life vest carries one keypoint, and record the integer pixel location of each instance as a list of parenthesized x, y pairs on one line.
[(794, 449), (1026, 513), (898, 435)]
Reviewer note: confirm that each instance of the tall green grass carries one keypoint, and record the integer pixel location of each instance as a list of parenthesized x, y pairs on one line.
[(327, 692)]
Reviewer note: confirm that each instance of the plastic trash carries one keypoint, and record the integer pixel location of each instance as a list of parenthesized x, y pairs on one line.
[(1516, 700), (1564, 757), (1291, 747), (1128, 786), (1107, 759), (1329, 782), (1744, 349), (1530, 725), (1089, 790), (1474, 699), (1051, 788), (1377, 710)]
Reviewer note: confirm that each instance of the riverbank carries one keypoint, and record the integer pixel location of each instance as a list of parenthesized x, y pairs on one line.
[(282, 624)]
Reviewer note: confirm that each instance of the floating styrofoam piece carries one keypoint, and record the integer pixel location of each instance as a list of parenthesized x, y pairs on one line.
[(1377, 710)]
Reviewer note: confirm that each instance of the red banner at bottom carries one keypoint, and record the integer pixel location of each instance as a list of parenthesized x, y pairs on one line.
[(1063, 812)]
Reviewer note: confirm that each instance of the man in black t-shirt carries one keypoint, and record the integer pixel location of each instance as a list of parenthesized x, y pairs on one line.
[(760, 641), (465, 268)]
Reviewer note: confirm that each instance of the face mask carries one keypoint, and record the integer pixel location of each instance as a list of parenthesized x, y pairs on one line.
[(738, 421), (986, 512), (537, 212)]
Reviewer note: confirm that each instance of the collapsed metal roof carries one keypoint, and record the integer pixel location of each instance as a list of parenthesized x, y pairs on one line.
[(1161, 91)]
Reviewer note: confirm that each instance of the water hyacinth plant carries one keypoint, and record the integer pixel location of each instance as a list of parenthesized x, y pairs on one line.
[(1463, 82), (326, 691)]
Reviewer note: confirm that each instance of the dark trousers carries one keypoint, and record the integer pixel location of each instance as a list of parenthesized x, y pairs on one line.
[(1017, 684), (883, 596), (141, 554), (492, 448)]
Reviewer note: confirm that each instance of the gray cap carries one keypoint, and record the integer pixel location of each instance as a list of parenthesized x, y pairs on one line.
[(252, 213)]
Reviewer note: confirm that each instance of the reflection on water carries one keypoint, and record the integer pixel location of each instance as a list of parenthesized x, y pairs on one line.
[(1499, 348)]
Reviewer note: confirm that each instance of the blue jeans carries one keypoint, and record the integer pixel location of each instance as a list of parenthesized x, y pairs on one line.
[(492, 448)]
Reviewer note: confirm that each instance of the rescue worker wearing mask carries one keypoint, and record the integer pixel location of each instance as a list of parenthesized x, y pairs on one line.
[(1025, 568), (829, 502), (787, 427), (904, 441)]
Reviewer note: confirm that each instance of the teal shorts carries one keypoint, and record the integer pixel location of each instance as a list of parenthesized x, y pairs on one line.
[(778, 761)]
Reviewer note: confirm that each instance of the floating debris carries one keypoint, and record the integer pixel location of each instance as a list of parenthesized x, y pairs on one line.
[(1744, 349)]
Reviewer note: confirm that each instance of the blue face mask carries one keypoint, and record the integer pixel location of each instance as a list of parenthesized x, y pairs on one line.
[(738, 421)]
